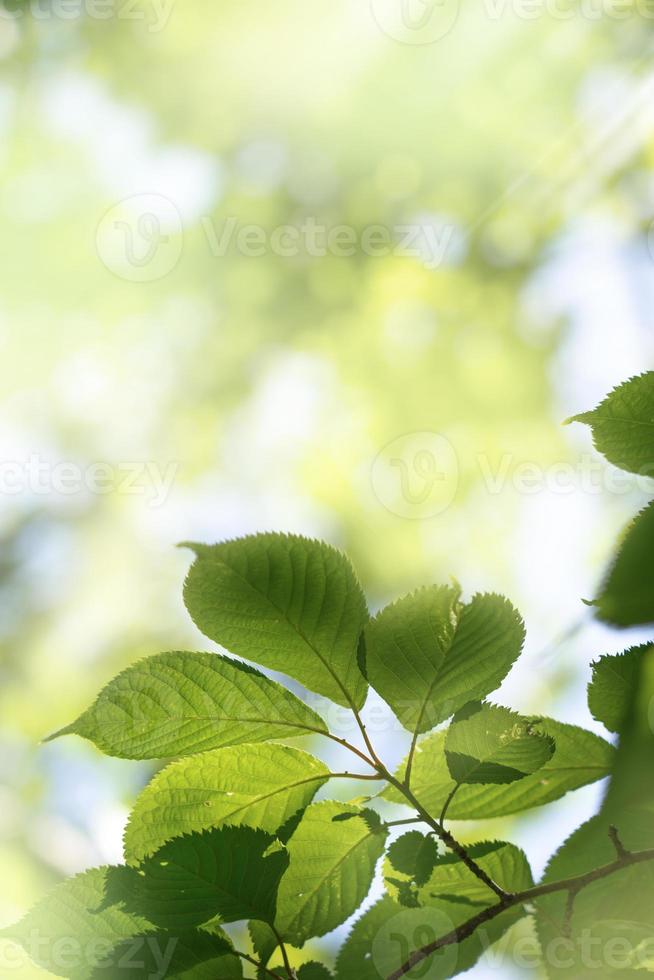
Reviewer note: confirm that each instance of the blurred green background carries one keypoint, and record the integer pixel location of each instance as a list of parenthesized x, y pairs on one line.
[(472, 190)]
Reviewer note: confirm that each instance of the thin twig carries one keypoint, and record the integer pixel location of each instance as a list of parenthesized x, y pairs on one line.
[(446, 805), (403, 823), (566, 931), (352, 748), (620, 849), (366, 777), (362, 728), (409, 763), (287, 963), (259, 966), (521, 898)]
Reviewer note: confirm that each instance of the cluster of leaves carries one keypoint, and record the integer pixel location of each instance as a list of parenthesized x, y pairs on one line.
[(229, 831)]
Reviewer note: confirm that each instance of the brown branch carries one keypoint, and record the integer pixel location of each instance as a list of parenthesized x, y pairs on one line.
[(571, 885), (258, 965)]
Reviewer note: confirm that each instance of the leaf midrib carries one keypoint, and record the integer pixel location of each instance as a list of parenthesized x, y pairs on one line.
[(310, 895), (253, 802), (294, 626)]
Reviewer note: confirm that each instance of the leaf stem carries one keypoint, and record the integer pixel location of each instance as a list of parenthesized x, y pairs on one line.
[(404, 823), (425, 817), (620, 849), (409, 763), (377, 763), (287, 963), (446, 805), (258, 965), (571, 885), (352, 748), (355, 775)]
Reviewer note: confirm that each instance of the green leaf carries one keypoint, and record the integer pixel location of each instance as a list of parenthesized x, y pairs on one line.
[(414, 854), (627, 595), (428, 654), (451, 880), (613, 919), (313, 971), (286, 602), (193, 955), (489, 744), (230, 873), (264, 940), (355, 957), (184, 703), (72, 930), (255, 785), (383, 939), (580, 757), (611, 690), (331, 870), (408, 865), (623, 425)]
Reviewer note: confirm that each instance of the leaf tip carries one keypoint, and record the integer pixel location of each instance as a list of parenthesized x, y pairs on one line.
[(67, 730)]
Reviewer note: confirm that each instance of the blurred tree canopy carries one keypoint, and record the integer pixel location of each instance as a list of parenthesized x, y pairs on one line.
[(271, 383)]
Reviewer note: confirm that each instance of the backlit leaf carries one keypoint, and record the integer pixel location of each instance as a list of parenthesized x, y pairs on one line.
[(428, 654), (289, 603), (612, 924), (193, 955), (489, 744), (627, 595), (331, 870), (623, 425), (580, 757), (611, 690), (184, 703), (383, 939), (451, 880), (230, 873), (75, 927), (254, 785)]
